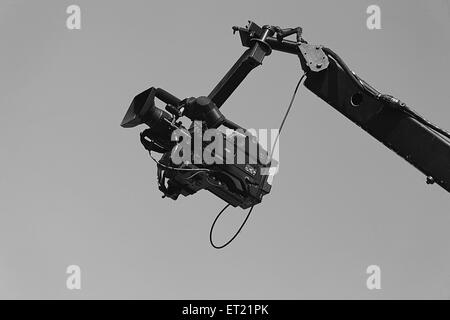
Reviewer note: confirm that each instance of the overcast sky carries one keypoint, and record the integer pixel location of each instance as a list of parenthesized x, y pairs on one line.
[(76, 188)]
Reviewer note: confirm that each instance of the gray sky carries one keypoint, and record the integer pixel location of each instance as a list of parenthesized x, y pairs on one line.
[(76, 188)]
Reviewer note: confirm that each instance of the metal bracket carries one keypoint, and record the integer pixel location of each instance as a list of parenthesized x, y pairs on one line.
[(316, 59)]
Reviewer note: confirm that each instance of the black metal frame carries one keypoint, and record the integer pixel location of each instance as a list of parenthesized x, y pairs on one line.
[(249, 60), (382, 116), (421, 146)]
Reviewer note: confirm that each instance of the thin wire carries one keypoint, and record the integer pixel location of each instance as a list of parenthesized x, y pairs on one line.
[(193, 175), (174, 168), (427, 123), (365, 87), (251, 209), (286, 114), (235, 235)]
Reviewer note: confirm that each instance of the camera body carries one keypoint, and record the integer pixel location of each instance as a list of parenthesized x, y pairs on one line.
[(233, 166)]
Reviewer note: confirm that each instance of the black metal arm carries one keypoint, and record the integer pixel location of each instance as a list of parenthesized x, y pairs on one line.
[(384, 117), (249, 60)]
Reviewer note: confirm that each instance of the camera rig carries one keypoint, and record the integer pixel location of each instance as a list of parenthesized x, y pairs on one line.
[(383, 116)]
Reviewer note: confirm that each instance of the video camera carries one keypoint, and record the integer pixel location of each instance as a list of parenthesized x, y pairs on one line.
[(237, 172)]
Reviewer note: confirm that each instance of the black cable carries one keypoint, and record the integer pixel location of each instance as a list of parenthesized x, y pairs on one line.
[(362, 85), (251, 209), (177, 169), (286, 114), (425, 122), (235, 235), (344, 66)]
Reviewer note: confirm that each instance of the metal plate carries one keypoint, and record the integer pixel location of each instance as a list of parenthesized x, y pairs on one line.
[(315, 58)]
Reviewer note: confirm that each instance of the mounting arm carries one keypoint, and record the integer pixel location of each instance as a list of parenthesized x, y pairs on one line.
[(384, 117)]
